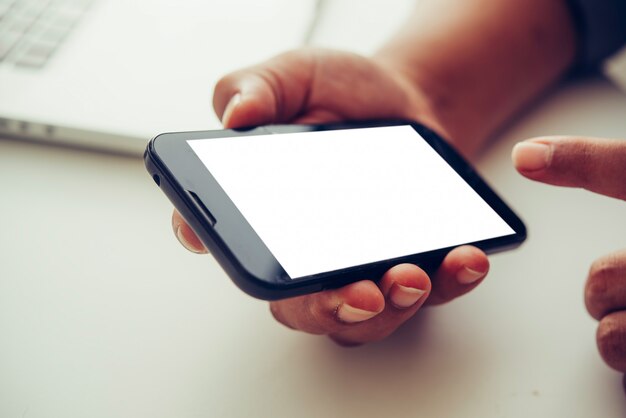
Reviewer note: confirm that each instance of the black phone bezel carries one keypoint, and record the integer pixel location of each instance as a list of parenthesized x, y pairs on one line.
[(240, 251)]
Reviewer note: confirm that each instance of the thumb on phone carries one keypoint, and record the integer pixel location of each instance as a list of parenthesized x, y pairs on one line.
[(272, 92), (595, 164)]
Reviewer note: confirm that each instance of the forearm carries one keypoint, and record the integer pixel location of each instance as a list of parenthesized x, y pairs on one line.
[(478, 62)]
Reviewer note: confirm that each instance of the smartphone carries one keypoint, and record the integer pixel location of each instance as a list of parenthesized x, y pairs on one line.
[(289, 210)]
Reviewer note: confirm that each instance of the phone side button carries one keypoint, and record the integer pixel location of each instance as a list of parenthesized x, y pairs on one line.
[(202, 208)]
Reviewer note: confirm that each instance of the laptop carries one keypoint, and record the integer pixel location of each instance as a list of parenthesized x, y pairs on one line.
[(111, 74)]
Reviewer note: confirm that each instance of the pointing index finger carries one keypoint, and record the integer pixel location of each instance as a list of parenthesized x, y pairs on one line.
[(596, 164)]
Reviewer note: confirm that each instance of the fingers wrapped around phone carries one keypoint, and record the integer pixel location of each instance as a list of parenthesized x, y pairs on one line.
[(360, 312), (605, 297), (185, 234), (365, 311), (462, 270)]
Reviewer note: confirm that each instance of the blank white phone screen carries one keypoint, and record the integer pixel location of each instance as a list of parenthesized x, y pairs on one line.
[(328, 200)]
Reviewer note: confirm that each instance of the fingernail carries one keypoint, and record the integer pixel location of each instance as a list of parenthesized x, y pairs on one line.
[(350, 314), (531, 156), (466, 275), (404, 297), (185, 243), (228, 110)]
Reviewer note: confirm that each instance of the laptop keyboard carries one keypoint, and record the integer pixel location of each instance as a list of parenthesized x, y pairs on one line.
[(32, 30)]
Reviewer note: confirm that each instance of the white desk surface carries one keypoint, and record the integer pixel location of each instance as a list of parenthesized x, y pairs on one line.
[(104, 314)]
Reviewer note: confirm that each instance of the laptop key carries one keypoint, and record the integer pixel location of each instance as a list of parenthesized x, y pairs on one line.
[(31, 30), (8, 40), (35, 56), (5, 8), (53, 35), (28, 61)]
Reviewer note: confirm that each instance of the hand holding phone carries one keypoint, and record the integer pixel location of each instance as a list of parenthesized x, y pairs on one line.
[(344, 86), (292, 210), (399, 293)]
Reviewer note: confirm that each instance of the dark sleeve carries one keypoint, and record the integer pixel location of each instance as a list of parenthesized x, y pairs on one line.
[(601, 29)]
